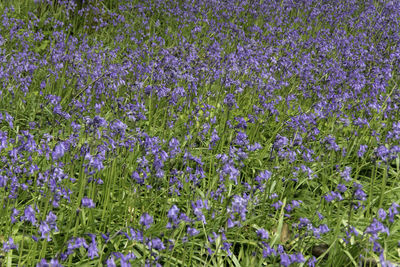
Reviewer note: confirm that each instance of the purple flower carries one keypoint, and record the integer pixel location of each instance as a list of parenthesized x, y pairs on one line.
[(3, 140), (59, 150), (332, 196), (254, 147), (375, 228), (14, 213), (99, 122), (125, 258), (265, 175), (156, 243), (106, 237), (214, 139), (44, 230), (136, 176), (88, 203), (75, 243), (42, 263), (118, 126), (277, 204), (382, 214), (75, 127), (226, 246), (92, 249), (230, 101), (385, 263), (312, 261), (382, 152), (29, 215), (241, 139), (393, 211), (377, 247), (359, 193), (262, 233), (51, 220), (280, 141), (239, 205), (10, 120), (322, 229), (241, 122), (342, 188), (331, 143), (303, 223), (173, 213), (349, 232), (52, 263), (9, 245), (146, 220), (230, 223), (362, 150), (273, 196), (299, 258), (110, 262), (285, 259), (346, 174), (268, 251), (192, 231), (197, 210), (174, 147)]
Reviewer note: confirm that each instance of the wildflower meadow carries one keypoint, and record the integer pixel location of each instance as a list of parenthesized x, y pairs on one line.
[(199, 133)]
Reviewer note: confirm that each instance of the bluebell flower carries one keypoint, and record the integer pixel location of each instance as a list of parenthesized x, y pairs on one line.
[(173, 212), (393, 211), (9, 245), (322, 229), (226, 246), (156, 243), (146, 220), (88, 203), (342, 188), (285, 259), (312, 261), (359, 193), (263, 176), (230, 100), (110, 262), (277, 204), (14, 213), (280, 141), (268, 251), (382, 214), (375, 228), (29, 215), (44, 230), (362, 150), (298, 257), (192, 231), (262, 233), (346, 174), (52, 263), (59, 151), (92, 249)]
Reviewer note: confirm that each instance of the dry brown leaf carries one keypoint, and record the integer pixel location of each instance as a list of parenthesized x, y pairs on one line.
[(285, 233)]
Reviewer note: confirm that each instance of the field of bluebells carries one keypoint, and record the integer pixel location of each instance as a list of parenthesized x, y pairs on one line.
[(199, 133)]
